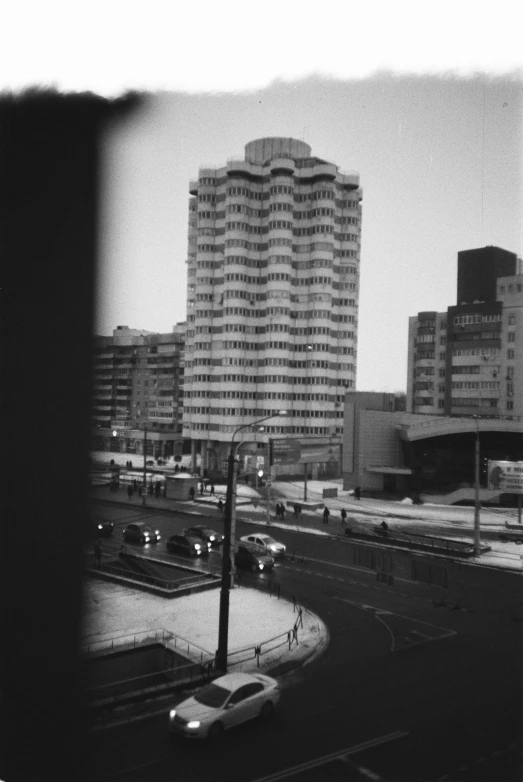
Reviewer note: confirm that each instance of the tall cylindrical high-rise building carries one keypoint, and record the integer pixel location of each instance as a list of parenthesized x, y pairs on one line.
[(273, 285)]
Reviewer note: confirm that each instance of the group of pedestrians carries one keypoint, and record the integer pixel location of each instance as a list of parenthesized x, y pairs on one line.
[(280, 511), (153, 488)]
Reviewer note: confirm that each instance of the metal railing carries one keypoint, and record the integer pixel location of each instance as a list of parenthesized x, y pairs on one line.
[(129, 641), (137, 684), (134, 640)]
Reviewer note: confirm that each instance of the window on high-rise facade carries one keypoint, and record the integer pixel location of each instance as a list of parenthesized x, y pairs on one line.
[(511, 336), (511, 354)]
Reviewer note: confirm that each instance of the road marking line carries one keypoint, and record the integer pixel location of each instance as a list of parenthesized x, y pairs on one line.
[(393, 613), (333, 756), (361, 769)]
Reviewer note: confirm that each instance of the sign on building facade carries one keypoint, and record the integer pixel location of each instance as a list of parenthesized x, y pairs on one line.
[(305, 451), (507, 476)]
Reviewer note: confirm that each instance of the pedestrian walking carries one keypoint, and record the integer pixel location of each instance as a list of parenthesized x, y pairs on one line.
[(135, 485), (98, 552), (211, 489), (295, 508), (202, 488), (282, 511), (157, 488), (220, 506), (191, 493), (165, 489), (278, 511), (129, 491), (326, 514), (357, 493), (343, 518)]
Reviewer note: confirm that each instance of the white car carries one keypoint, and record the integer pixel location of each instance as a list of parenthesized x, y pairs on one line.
[(225, 702), (269, 545)]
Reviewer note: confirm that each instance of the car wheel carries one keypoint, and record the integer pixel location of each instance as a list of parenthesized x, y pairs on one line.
[(254, 568), (267, 709), (215, 731), (142, 540)]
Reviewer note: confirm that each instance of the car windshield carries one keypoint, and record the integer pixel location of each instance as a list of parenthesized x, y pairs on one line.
[(213, 695)]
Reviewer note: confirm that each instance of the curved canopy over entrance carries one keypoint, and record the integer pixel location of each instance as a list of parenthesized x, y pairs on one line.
[(441, 453)]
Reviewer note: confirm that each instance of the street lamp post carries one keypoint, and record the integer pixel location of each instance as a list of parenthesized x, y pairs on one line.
[(476, 494), (144, 487), (228, 543)]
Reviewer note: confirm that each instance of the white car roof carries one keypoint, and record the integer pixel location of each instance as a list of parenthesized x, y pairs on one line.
[(233, 680)]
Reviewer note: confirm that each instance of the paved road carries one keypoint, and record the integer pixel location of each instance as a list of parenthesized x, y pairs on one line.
[(396, 663)]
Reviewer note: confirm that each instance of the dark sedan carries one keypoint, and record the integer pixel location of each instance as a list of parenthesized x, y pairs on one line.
[(204, 533), (251, 557), (187, 544), (103, 529), (140, 533)]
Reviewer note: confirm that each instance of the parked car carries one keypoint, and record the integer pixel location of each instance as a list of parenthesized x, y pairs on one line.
[(138, 532), (268, 544), (204, 533), (187, 544), (251, 557), (103, 529), (225, 702)]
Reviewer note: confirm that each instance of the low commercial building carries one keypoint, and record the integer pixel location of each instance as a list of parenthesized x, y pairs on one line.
[(385, 450)]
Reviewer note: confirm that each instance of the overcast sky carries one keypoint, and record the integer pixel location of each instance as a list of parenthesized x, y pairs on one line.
[(426, 105)]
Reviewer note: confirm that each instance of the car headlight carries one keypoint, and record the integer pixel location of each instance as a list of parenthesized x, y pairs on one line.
[(212, 537), (157, 532), (172, 713), (197, 545), (193, 724), (261, 567), (146, 538), (100, 526)]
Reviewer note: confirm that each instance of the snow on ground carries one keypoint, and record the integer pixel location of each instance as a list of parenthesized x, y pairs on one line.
[(113, 610)]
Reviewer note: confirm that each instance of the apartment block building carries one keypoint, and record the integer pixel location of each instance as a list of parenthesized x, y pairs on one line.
[(272, 299), (468, 360), (138, 392)]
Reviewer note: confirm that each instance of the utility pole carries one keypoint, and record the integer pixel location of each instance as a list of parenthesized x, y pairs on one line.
[(305, 466), (144, 487), (227, 553), (476, 495)]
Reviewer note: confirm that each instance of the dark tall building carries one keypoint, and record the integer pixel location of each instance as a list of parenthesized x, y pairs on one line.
[(467, 361), (478, 271)]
